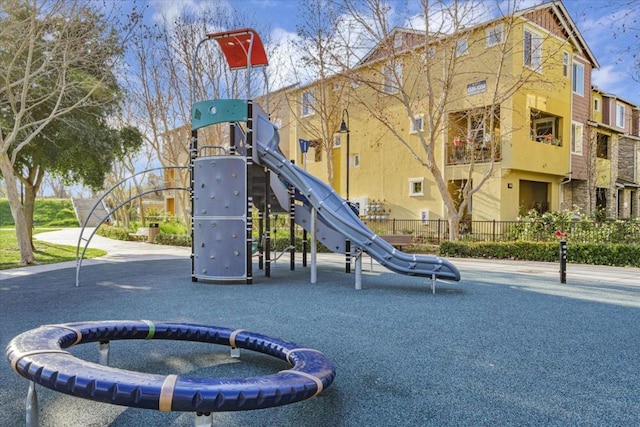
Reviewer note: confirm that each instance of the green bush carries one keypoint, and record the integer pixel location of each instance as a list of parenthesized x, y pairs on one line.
[(118, 233), (579, 253), (173, 228), (173, 239)]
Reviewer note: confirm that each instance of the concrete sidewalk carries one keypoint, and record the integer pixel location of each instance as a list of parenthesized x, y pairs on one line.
[(117, 251)]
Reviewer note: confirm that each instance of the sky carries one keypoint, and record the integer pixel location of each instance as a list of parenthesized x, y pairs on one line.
[(600, 23)]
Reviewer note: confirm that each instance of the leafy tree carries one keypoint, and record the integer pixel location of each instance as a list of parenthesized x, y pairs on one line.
[(57, 90)]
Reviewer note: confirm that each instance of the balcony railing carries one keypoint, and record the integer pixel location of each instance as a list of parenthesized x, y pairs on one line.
[(461, 152)]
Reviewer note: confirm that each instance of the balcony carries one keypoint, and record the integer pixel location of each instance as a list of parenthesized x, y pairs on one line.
[(461, 153)]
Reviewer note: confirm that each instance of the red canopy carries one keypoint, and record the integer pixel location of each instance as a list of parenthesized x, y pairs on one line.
[(241, 48)]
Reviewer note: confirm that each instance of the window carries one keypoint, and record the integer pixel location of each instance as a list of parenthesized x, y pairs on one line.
[(392, 77), (596, 104), (602, 146), (419, 124), (545, 128), (532, 50), (397, 40), (619, 115), (337, 141), (565, 64), (577, 84), (355, 160), (416, 187), (308, 100), (494, 36), (462, 48), (577, 132)]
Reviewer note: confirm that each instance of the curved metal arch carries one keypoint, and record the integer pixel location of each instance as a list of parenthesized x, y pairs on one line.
[(80, 257)]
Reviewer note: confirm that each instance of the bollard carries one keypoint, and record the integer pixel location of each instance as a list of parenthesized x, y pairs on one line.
[(563, 261)]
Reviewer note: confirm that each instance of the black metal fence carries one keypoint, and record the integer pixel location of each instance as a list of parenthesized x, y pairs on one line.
[(436, 231)]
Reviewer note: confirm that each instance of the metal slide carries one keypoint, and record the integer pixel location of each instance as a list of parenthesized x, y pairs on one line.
[(334, 211)]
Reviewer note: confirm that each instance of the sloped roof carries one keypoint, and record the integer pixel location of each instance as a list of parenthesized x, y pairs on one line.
[(569, 29)]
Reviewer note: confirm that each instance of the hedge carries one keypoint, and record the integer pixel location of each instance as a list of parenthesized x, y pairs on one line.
[(624, 255)]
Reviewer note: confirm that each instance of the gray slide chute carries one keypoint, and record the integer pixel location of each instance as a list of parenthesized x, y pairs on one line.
[(335, 212)]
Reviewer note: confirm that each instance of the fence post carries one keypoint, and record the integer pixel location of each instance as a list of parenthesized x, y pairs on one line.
[(494, 230), (438, 238), (393, 226)]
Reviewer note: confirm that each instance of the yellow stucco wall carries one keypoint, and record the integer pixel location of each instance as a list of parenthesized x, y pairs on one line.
[(387, 167)]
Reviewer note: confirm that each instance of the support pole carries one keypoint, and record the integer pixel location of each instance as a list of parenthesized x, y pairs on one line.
[(260, 240), (267, 215), (104, 353), (304, 247), (314, 246), (292, 229), (204, 419), (348, 256), (32, 406), (433, 283), (358, 270)]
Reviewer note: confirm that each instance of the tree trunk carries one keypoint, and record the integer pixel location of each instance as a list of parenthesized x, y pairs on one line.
[(22, 231), (28, 209)]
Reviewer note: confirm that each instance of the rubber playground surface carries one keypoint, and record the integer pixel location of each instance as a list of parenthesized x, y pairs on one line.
[(507, 345)]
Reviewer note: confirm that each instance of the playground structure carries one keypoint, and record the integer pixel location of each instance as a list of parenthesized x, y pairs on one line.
[(253, 171), (38, 356), (250, 170)]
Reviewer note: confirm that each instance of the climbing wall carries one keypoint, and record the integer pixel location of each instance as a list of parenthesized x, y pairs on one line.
[(220, 218)]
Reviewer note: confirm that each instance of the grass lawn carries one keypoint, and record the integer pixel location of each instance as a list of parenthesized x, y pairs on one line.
[(45, 253)]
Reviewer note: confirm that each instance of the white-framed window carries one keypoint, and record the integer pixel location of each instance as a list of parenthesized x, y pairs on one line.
[(577, 138), (532, 50), (308, 101), (337, 141), (355, 160), (416, 186), (397, 40), (577, 83), (565, 64), (462, 47), (544, 129), (596, 104), (620, 115), (494, 35), (392, 76), (417, 124)]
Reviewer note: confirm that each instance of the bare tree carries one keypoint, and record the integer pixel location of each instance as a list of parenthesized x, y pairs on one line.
[(441, 50), (164, 84), (320, 45)]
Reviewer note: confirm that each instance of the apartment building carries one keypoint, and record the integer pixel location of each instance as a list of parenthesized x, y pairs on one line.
[(519, 118)]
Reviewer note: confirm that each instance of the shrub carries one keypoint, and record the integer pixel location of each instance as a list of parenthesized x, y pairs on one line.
[(580, 253), (173, 239), (118, 233)]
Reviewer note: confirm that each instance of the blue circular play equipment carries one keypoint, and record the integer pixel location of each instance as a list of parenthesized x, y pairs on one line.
[(38, 355)]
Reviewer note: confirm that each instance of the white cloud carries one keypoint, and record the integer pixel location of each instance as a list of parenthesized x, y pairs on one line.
[(610, 78)]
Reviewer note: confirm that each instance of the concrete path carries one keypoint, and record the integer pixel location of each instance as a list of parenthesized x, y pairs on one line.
[(117, 251)]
